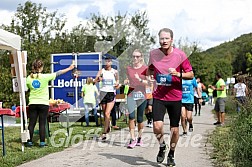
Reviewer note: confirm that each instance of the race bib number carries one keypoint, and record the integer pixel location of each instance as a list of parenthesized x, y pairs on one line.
[(164, 79), (138, 95), (186, 90), (148, 90), (107, 82)]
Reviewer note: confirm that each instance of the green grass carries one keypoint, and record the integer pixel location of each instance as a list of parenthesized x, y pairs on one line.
[(14, 155)]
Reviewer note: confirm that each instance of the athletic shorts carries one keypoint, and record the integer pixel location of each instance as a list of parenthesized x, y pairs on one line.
[(220, 104), (188, 106), (107, 97), (149, 102), (173, 108)]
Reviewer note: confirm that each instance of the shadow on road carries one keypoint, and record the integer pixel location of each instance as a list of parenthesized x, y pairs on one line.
[(136, 161)]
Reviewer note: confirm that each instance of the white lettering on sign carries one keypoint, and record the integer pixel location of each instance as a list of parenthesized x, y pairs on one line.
[(71, 83)]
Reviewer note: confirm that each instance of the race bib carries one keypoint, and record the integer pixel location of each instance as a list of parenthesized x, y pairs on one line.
[(164, 79), (148, 90), (138, 95), (186, 90), (107, 82)]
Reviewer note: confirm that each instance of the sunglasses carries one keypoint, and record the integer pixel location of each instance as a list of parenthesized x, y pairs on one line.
[(136, 57)]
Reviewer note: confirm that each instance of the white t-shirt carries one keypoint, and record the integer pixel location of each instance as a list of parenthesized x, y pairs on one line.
[(240, 89), (200, 89)]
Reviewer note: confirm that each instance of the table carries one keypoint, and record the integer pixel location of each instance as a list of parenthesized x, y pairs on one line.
[(57, 109), (8, 112)]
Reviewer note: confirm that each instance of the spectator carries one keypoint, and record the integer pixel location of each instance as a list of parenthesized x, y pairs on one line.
[(221, 99), (37, 83), (89, 93), (210, 95), (240, 92)]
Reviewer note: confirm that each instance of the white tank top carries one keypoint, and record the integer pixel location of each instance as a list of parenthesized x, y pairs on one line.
[(108, 80)]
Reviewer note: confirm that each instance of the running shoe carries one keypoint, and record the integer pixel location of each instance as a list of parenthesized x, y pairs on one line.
[(29, 144), (170, 161), (103, 137), (217, 123), (132, 143), (42, 144), (190, 127), (161, 154), (150, 125), (184, 134), (139, 142)]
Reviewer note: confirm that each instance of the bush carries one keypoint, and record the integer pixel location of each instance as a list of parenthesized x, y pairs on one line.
[(233, 142), (242, 137)]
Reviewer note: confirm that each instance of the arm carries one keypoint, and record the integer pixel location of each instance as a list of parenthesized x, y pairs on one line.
[(183, 75), (82, 94), (199, 92), (144, 81), (116, 78), (98, 77), (96, 92), (234, 91), (60, 72), (246, 91)]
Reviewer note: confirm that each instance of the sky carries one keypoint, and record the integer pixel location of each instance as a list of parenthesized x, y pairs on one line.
[(207, 22)]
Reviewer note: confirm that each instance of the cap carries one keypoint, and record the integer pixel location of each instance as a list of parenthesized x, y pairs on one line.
[(108, 56)]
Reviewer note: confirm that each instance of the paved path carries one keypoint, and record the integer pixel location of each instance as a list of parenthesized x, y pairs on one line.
[(191, 151)]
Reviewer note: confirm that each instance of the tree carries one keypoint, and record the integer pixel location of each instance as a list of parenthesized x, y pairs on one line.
[(120, 35), (37, 28)]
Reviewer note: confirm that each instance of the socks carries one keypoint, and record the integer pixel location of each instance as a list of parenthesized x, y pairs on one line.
[(171, 153)]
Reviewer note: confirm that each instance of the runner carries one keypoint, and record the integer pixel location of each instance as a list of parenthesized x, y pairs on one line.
[(136, 98), (110, 81), (188, 87), (165, 65)]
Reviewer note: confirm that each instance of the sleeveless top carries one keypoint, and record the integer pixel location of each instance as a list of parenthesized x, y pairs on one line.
[(108, 80)]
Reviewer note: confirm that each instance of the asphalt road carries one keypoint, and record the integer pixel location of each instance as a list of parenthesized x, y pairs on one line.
[(191, 151)]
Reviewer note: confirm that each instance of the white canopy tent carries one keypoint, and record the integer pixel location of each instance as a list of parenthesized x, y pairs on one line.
[(9, 41), (12, 42)]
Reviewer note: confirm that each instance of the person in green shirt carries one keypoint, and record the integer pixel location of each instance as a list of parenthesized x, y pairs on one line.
[(221, 99), (210, 95), (90, 93), (37, 83)]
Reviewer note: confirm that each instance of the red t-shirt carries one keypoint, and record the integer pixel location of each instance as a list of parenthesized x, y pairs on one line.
[(160, 63), (133, 82)]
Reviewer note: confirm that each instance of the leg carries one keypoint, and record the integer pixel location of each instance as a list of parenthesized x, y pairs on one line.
[(113, 115), (107, 111), (86, 106), (189, 117), (199, 107), (183, 119), (140, 113), (217, 109), (222, 110), (95, 115), (174, 111), (159, 111), (43, 112), (195, 104), (33, 116)]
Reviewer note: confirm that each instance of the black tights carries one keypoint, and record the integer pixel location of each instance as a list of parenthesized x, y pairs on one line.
[(197, 103), (35, 111)]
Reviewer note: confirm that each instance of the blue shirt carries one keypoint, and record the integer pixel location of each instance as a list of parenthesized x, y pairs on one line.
[(188, 90)]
